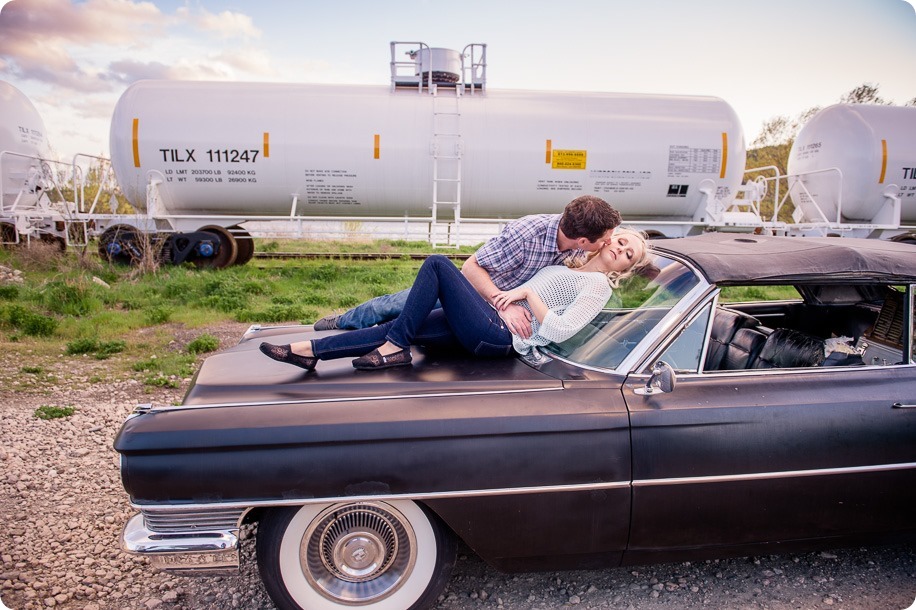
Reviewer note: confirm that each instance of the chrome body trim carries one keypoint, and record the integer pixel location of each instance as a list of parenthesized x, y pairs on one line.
[(254, 329), (348, 399), (511, 491), (762, 476), (816, 370), (436, 495), (187, 544)]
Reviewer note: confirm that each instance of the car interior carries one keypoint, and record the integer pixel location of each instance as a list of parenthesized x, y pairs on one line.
[(832, 326)]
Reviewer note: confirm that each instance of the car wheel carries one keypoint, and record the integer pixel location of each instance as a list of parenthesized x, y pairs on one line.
[(378, 555)]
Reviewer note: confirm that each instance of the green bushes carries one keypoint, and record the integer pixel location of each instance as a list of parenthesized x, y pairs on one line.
[(77, 297), (203, 344), (9, 292), (53, 412), (102, 350), (29, 322), (156, 314)]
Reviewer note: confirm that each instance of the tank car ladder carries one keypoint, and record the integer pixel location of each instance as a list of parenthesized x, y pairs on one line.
[(446, 151)]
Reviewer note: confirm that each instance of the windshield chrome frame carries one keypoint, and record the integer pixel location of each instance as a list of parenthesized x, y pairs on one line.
[(656, 336), (909, 312)]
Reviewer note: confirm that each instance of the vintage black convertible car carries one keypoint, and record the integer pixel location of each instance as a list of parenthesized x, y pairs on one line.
[(697, 416)]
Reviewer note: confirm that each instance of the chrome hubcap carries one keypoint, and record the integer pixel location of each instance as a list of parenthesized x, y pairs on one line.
[(357, 553)]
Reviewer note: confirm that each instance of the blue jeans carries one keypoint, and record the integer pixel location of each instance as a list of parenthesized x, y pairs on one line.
[(465, 319), (374, 311)]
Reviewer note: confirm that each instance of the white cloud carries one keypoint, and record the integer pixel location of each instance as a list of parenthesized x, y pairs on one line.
[(102, 44), (42, 40), (227, 24), (247, 61)]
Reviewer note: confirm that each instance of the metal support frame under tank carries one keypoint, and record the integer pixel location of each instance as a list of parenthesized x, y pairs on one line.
[(814, 222)]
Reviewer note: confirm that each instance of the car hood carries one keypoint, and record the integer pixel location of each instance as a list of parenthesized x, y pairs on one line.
[(243, 375)]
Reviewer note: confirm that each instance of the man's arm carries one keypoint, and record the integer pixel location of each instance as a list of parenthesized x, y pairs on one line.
[(479, 278), (516, 317)]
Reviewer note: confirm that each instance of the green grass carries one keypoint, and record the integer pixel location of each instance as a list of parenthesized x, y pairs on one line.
[(61, 310), (61, 301), (53, 412), (738, 294), (203, 344)]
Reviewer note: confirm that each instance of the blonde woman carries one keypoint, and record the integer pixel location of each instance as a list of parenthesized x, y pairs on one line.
[(561, 299)]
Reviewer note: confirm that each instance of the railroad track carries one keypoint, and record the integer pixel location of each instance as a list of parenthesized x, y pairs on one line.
[(358, 256)]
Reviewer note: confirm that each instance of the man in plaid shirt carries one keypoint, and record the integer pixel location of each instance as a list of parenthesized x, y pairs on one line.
[(522, 248)]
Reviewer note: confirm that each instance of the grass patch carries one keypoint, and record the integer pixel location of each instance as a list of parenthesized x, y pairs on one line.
[(71, 297), (166, 371), (29, 322), (102, 350), (203, 344), (156, 315), (52, 412), (9, 292), (738, 294)]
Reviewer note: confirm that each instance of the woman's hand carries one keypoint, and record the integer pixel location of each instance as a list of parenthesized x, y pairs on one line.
[(502, 300)]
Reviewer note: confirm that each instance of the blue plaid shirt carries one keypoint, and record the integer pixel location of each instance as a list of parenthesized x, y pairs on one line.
[(523, 247)]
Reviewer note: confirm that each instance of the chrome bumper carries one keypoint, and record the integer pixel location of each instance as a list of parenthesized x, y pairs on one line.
[(194, 544)]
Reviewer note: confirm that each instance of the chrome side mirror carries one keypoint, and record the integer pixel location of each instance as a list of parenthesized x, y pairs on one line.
[(662, 380)]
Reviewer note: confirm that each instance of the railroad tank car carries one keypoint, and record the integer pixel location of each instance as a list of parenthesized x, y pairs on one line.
[(872, 147), (23, 142), (259, 149)]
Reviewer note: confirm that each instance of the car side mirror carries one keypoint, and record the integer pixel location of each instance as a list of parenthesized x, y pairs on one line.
[(662, 380)]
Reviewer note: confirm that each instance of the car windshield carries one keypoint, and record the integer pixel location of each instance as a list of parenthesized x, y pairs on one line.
[(637, 306)]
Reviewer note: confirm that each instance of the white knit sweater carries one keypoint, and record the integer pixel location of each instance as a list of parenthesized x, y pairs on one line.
[(574, 298)]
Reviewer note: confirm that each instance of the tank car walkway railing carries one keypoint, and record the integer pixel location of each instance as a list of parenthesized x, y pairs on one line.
[(406, 72), (811, 216), (474, 71), (41, 209)]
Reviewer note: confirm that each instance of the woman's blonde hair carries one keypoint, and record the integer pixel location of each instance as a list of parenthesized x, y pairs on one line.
[(614, 278)]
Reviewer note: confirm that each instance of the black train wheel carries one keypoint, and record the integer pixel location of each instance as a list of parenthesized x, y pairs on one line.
[(245, 245), (226, 249)]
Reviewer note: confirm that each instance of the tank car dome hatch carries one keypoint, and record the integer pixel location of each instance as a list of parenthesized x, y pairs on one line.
[(442, 65)]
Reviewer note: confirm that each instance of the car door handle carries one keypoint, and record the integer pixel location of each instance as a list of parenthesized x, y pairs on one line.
[(899, 405)]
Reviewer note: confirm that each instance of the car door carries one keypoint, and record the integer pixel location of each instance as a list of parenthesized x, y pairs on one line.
[(743, 458)]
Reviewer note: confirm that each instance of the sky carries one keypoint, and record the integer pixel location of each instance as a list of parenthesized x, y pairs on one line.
[(73, 59)]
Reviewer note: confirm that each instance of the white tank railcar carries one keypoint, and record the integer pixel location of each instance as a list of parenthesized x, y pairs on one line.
[(253, 150), (854, 166), (23, 143)]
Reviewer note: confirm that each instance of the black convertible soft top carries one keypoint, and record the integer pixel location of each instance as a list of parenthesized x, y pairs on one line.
[(727, 258)]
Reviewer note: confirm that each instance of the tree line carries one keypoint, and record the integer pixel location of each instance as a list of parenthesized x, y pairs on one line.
[(772, 145)]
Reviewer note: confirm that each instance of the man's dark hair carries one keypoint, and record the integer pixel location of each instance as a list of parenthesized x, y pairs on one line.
[(589, 217)]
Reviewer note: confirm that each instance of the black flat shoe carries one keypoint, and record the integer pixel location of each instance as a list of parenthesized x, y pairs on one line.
[(374, 361), (283, 353)]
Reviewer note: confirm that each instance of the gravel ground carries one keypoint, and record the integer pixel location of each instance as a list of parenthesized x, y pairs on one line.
[(62, 509)]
